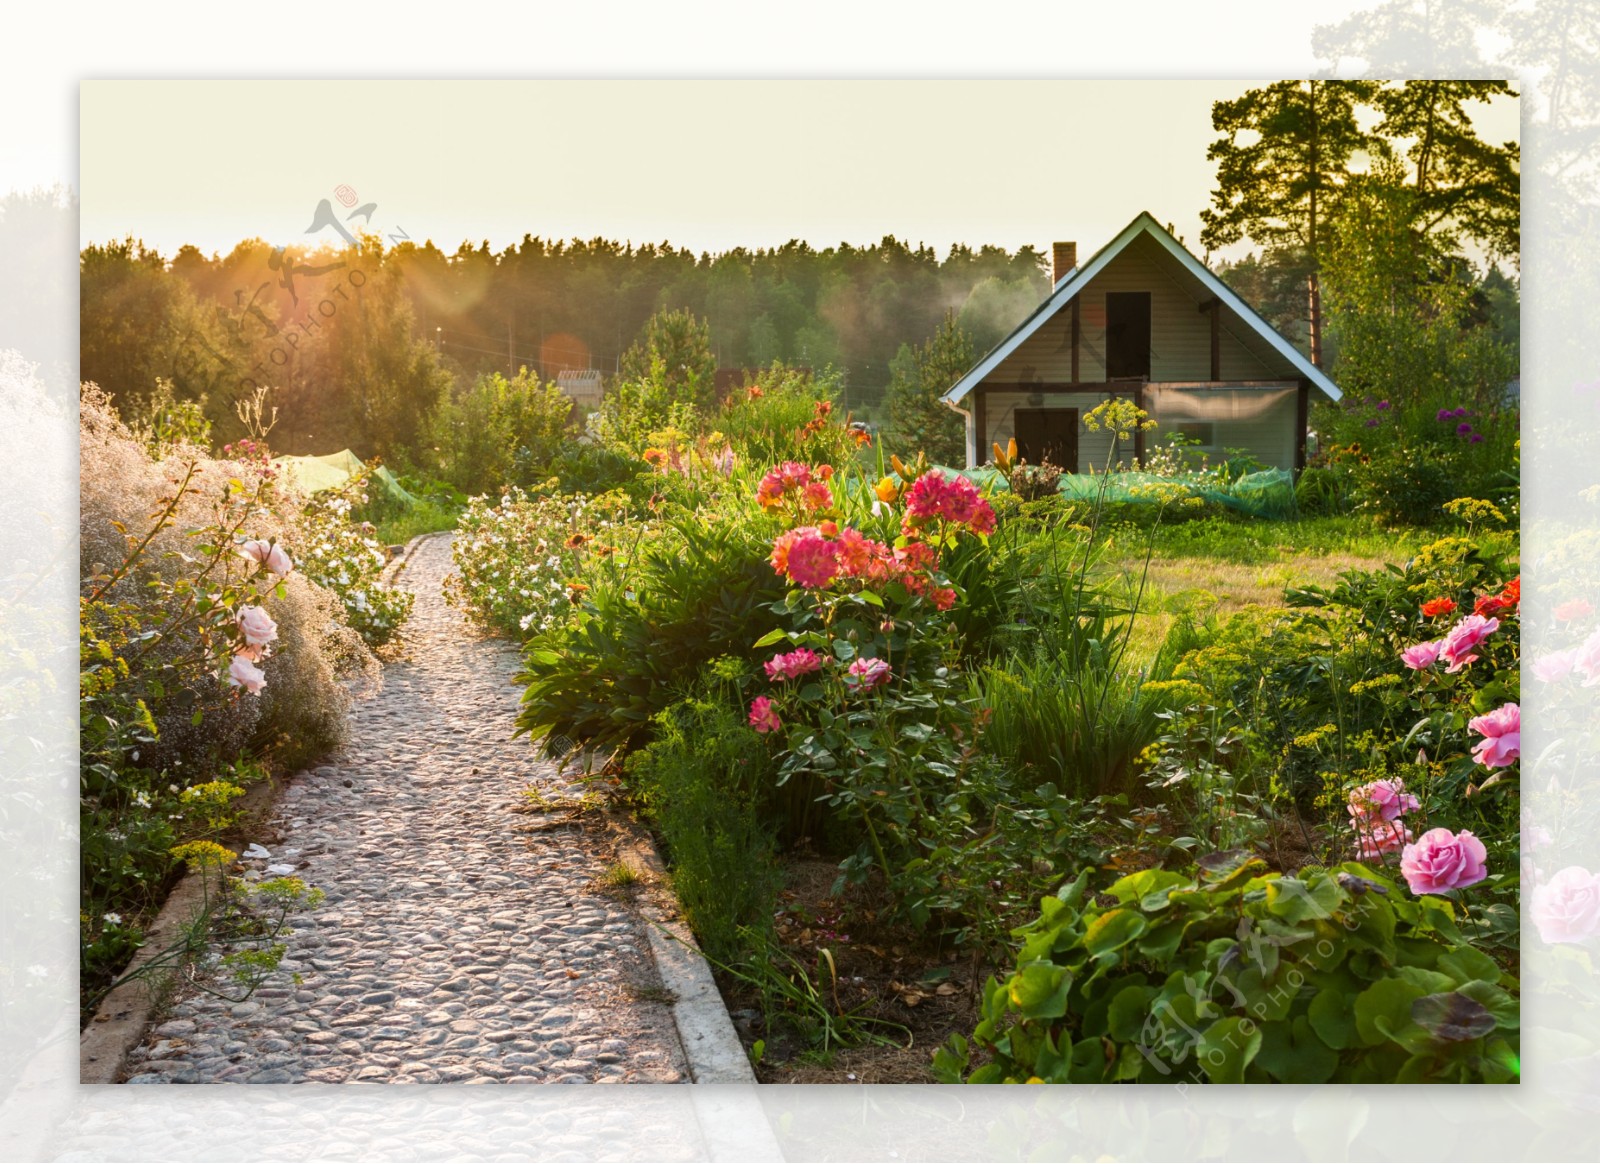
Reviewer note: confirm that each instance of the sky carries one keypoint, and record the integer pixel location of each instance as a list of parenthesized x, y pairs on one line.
[(709, 165)]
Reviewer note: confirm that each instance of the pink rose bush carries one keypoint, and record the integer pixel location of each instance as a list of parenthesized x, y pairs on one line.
[(793, 665), (269, 554), (256, 626), (1459, 648), (1376, 840), (1501, 730), (1422, 656), (1566, 908), (243, 672), (865, 674), (1384, 800), (762, 716), (1440, 860)]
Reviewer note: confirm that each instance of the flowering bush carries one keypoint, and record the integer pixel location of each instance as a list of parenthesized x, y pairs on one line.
[(200, 640), (347, 560), (523, 562)]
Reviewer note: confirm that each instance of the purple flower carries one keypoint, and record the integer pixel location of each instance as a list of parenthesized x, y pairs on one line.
[(1459, 412), (1443, 414), (1477, 438), (1383, 406), (1373, 423), (1463, 428)]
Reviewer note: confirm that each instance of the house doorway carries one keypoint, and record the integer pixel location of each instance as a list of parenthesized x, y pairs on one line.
[(1048, 434)]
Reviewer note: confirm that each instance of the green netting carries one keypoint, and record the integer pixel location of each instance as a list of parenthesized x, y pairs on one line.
[(1268, 493), (315, 474)]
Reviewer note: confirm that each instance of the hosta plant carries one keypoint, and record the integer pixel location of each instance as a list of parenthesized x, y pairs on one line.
[(1236, 975)]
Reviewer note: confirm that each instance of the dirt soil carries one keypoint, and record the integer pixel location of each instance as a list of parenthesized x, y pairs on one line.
[(880, 971)]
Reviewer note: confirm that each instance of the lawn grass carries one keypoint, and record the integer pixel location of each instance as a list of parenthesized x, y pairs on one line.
[(424, 517), (1219, 566)]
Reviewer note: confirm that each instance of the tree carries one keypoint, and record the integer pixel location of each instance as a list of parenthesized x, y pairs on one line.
[(1461, 181), (918, 418), (1285, 154), (674, 353)]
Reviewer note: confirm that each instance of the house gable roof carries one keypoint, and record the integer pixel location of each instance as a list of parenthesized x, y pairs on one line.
[(1080, 277)]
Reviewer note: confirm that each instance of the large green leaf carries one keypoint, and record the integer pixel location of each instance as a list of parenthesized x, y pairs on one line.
[(1389, 999), (1295, 1053), (1452, 1017), (1040, 990), (1225, 1050), (1113, 930), (1332, 1015)]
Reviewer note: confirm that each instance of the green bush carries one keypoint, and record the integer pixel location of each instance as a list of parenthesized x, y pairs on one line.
[(501, 432), (702, 781), (1236, 975)]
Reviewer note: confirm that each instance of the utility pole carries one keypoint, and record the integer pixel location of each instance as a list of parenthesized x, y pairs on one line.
[(511, 346)]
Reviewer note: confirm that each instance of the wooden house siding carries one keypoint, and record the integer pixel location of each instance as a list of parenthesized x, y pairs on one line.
[(1000, 409), (1180, 333)]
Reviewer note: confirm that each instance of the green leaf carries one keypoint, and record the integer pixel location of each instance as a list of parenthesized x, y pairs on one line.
[(1147, 883), (1112, 930), (1332, 1016), (1295, 1053), (197, 717), (1294, 901), (1225, 1050), (870, 596), (1389, 999), (1126, 1016), (1507, 1014), (766, 640), (1466, 964), (1040, 990)]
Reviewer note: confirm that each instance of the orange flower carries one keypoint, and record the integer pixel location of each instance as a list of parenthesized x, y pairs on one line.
[(1433, 608)]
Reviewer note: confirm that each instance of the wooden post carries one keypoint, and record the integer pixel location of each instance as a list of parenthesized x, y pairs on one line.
[(1077, 331), (978, 425), (1302, 415), (1216, 340)]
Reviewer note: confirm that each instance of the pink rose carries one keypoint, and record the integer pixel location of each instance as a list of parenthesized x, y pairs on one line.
[(1422, 656), (1587, 660), (243, 673), (1439, 860), (1501, 730), (1554, 667), (793, 665), (1566, 908), (762, 717), (1378, 838), (813, 562), (865, 674), (1573, 610), (273, 557), (1458, 648), (1381, 800), (256, 626)]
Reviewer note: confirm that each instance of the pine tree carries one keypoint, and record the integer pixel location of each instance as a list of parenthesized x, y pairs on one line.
[(1285, 154), (918, 418)]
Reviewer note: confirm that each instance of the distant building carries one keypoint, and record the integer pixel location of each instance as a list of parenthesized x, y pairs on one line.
[(1146, 320), (584, 388)]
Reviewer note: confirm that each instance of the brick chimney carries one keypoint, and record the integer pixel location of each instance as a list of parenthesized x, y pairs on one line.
[(1063, 257)]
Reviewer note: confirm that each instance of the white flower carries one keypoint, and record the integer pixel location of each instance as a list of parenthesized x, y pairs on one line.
[(113, 919)]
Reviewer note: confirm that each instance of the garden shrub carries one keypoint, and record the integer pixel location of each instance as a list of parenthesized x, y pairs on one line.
[(184, 566), (502, 432), (703, 781), (347, 560), (1237, 975)]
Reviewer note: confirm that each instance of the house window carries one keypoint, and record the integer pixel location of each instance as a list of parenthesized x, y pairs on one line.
[(1127, 335), (1200, 433)]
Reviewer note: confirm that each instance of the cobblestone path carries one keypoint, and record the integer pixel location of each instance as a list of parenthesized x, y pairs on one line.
[(451, 948)]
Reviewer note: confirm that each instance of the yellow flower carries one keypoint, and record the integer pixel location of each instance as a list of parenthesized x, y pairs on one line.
[(888, 491)]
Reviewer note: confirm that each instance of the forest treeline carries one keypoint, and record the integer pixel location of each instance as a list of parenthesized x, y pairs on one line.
[(1360, 197)]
